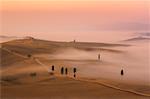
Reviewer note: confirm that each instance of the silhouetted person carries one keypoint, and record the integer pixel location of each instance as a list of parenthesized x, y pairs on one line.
[(74, 71), (66, 71), (122, 72), (99, 56), (51, 72), (53, 68), (62, 70)]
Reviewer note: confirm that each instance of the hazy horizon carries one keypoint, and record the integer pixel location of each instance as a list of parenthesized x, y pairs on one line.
[(83, 20)]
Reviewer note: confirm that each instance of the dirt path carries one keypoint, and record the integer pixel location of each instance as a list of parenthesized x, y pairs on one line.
[(78, 79)]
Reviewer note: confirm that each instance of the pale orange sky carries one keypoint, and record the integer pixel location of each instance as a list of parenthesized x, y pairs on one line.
[(72, 18)]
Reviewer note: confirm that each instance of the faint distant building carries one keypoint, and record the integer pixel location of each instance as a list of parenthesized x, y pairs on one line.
[(29, 40), (73, 41), (29, 37)]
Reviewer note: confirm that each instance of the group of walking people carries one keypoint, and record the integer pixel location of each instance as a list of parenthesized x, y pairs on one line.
[(64, 71)]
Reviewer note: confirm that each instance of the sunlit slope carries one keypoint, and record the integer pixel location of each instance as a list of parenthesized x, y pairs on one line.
[(31, 46)]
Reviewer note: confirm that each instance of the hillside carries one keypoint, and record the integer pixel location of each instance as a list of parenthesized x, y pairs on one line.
[(21, 57), (31, 46)]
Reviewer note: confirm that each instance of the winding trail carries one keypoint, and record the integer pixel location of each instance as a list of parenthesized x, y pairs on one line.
[(78, 79), (113, 87), (14, 53), (25, 57), (43, 65)]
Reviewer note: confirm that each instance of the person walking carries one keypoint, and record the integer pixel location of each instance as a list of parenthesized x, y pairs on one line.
[(99, 56), (66, 71), (122, 72), (74, 71), (53, 67), (62, 70)]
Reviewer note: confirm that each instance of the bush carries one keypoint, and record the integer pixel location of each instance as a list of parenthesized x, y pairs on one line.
[(33, 74), (29, 55)]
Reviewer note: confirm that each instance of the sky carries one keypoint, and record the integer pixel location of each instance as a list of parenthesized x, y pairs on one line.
[(73, 19)]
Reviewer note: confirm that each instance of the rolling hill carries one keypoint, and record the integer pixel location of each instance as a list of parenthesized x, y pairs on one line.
[(31, 46)]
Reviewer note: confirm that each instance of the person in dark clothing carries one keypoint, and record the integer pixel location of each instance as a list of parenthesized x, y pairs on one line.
[(66, 71), (74, 71), (62, 70), (122, 72), (99, 56), (53, 68)]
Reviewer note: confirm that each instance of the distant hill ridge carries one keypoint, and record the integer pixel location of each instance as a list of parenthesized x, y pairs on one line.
[(60, 43), (32, 46), (139, 38)]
